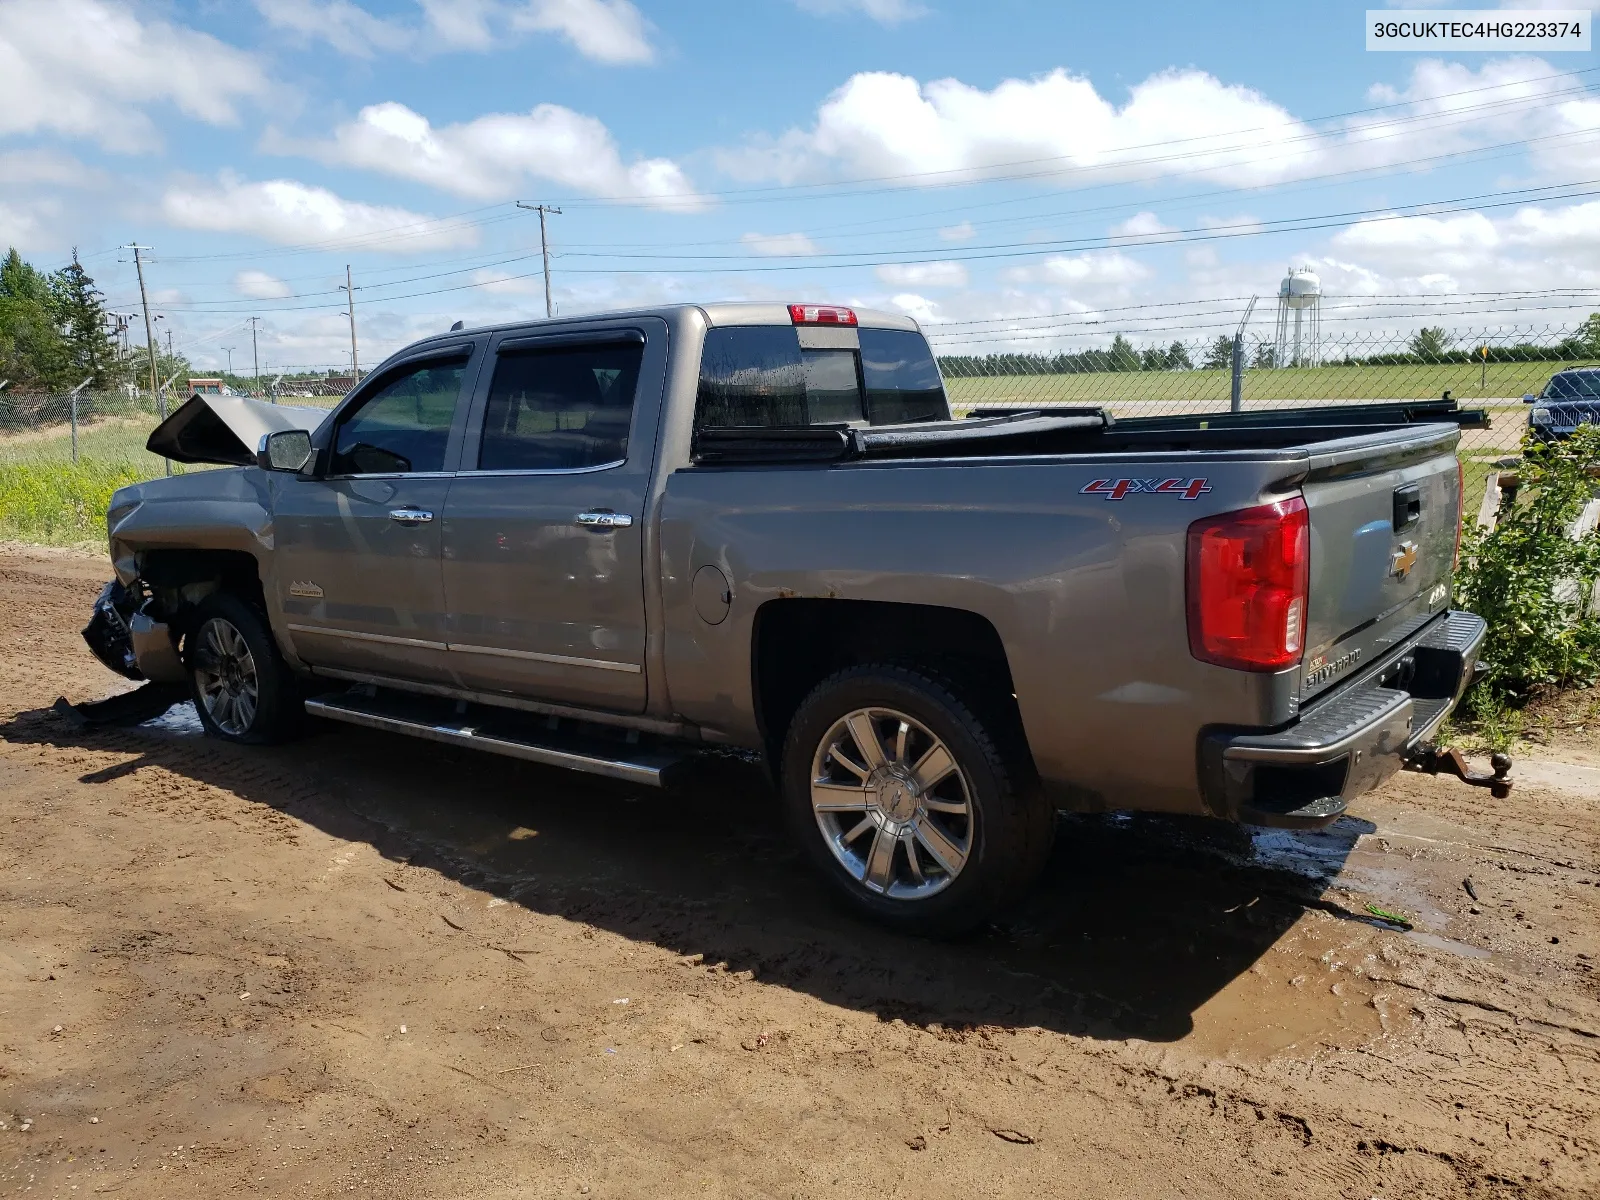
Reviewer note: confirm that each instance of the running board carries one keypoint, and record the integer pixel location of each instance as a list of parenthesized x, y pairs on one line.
[(640, 765)]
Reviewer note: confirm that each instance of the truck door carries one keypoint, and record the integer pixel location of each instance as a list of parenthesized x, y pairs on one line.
[(544, 530), (357, 548)]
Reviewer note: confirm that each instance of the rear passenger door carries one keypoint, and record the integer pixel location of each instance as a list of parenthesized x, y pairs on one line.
[(544, 529)]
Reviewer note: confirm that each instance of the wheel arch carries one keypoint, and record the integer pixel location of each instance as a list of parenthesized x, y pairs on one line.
[(799, 642), (182, 577)]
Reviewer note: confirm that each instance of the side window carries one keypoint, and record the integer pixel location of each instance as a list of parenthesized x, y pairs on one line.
[(560, 408), (403, 426), (903, 383)]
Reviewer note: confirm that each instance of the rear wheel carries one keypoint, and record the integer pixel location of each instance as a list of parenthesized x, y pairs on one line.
[(899, 793), (243, 690)]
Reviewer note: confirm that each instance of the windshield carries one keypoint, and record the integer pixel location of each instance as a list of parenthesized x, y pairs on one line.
[(1571, 385), (759, 375)]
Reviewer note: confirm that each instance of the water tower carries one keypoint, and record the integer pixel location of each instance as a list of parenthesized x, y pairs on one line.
[(1299, 294)]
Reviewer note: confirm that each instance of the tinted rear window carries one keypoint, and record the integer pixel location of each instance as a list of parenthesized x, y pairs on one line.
[(759, 375), (902, 381)]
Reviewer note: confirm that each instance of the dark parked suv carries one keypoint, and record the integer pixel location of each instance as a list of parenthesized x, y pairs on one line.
[(1570, 399)]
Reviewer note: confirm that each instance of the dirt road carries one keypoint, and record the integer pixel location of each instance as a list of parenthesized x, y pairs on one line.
[(362, 964)]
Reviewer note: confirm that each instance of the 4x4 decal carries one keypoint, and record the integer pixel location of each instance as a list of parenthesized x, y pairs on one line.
[(1116, 489)]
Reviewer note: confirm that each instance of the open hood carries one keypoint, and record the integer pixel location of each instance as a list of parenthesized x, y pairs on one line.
[(226, 429)]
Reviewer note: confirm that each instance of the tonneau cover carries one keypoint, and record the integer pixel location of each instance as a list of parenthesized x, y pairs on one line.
[(225, 429)]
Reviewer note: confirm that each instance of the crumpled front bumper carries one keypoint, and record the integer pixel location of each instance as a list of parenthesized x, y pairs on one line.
[(1349, 741)]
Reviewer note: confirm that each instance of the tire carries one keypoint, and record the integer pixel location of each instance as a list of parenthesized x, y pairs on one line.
[(924, 844), (243, 690)]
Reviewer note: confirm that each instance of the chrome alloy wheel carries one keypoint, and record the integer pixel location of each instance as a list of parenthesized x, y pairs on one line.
[(892, 803), (225, 676)]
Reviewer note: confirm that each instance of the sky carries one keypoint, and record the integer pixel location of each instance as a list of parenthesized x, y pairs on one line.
[(1017, 176)]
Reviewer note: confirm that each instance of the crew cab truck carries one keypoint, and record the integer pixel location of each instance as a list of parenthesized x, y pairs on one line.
[(600, 542)]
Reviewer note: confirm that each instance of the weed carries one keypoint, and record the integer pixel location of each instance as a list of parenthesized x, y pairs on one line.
[(1535, 585), (1384, 914)]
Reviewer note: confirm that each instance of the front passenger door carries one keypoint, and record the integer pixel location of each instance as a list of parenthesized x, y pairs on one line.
[(358, 548)]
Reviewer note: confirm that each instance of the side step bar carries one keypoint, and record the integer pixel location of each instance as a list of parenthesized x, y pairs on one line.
[(639, 766)]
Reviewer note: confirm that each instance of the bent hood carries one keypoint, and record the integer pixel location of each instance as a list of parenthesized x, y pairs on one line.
[(226, 429)]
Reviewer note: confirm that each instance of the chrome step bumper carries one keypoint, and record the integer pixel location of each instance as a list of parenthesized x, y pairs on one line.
[(497, 735), (1349, 741)]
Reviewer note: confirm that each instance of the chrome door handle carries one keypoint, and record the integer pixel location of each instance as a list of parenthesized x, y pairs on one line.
[(605, 520), (410, 516)]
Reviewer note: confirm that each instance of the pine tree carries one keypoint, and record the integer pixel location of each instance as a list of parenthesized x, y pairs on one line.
[(31, 352), (1219, 355), (81, 316)]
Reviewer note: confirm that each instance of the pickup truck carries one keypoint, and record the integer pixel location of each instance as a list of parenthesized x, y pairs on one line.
[(605, 542)]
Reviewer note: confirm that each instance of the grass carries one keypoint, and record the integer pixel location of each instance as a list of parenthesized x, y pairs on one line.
[(47, 498), (60, 504)]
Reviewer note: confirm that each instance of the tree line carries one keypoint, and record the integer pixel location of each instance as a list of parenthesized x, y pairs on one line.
[(55, 333)]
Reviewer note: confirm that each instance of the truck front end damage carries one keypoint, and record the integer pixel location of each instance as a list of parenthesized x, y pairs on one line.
[(127, 636), (174, 541)]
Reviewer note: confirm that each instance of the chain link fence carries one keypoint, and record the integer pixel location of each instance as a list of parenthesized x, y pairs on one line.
[(62, 456), (1492, 369)]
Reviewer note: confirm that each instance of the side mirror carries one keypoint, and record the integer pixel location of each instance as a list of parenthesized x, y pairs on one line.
[(1529, 399), (285, 450)]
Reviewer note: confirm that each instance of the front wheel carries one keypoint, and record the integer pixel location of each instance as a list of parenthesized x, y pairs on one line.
[(904, 801), (243, 690)]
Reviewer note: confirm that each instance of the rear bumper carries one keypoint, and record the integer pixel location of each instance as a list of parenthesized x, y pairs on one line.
[(1349, 741)]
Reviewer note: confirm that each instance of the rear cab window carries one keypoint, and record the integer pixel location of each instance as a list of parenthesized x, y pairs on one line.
[(763, 375)]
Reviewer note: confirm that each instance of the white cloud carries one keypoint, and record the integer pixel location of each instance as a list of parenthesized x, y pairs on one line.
[(923, 275), (963, 232), (1058, 127), (88, 69), (918, 308), (880, 123), (607, 31), (258, 285), (1091, 268), (493, 156), (1558, 240), (773, 244), (885, 12), (47, 168), (348, 28), (1141, 226), (20, 226), (293, 213)]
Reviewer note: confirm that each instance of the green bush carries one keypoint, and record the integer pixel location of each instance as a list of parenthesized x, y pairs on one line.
[(1532, 583), (61, 503)]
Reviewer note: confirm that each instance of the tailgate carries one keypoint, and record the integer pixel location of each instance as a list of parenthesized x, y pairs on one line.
[(1384, 514)]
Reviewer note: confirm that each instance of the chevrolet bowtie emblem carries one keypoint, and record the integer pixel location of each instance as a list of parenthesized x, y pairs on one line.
[(1405, 557)]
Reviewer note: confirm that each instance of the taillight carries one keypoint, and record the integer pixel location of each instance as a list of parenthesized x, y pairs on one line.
[(821, 314), (1248, 576), (1461, 509)]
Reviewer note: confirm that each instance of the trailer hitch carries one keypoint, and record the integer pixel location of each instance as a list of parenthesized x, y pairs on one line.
[(1431, 760)]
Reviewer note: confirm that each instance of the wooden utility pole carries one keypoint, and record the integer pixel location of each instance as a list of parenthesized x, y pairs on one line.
[(350, 295), (256, 358), (149, 331), (544, 248)]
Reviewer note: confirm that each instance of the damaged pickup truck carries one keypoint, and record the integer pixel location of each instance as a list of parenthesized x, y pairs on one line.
[(602, 542)]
